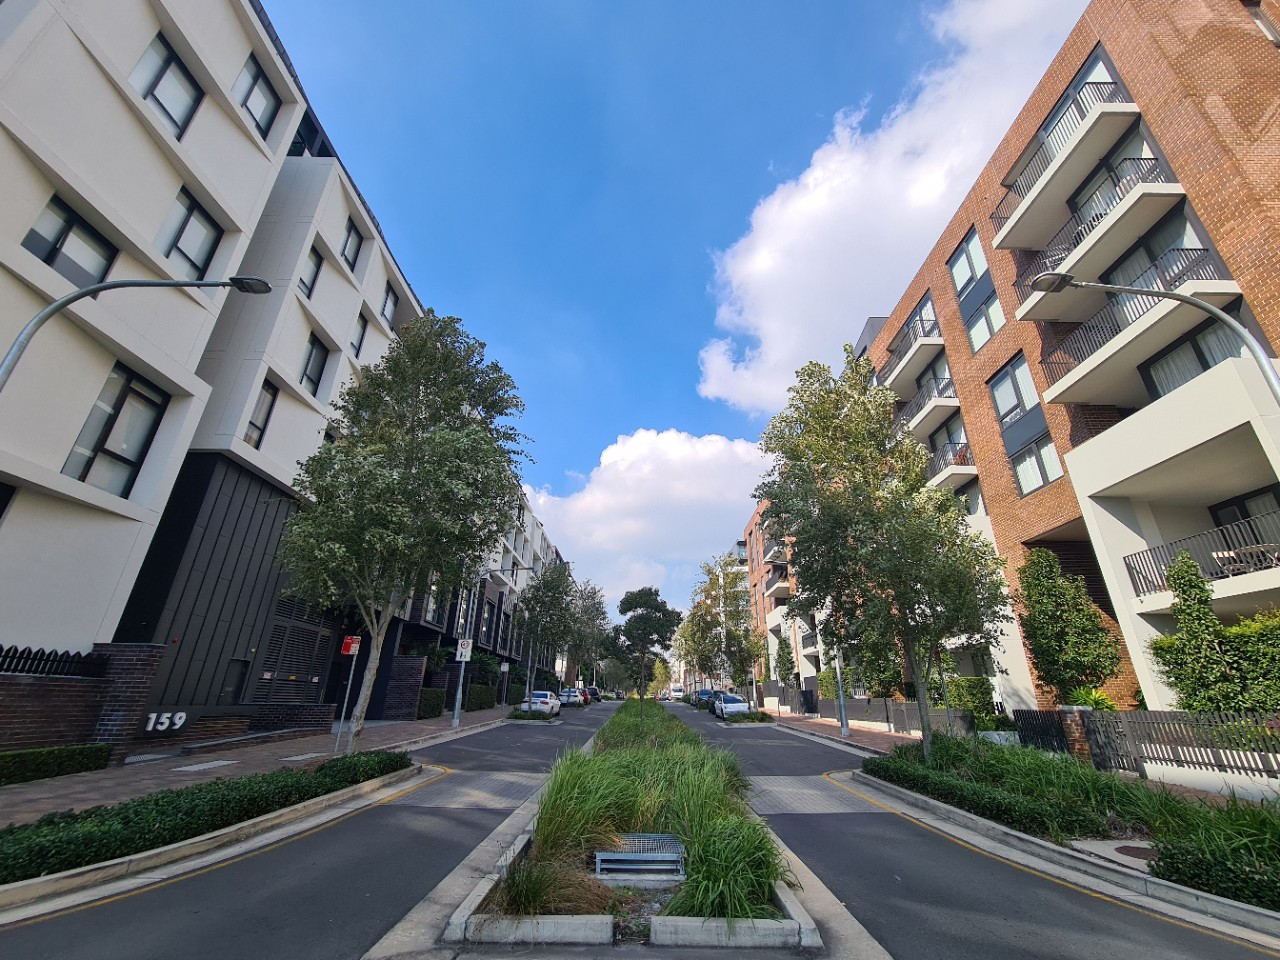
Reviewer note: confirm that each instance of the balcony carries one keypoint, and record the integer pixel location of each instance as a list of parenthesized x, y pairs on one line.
[(930, 407), (917, 344), (1097, 363), (1234, 550), (1100, 116), (779, 583), (775, 551), (775, 620), (808, 637), (951, 466)]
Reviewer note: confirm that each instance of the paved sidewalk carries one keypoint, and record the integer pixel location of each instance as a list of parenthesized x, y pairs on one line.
[(24, 802), (879, 741)]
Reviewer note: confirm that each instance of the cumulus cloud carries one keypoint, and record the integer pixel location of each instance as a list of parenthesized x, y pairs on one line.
[(840, 242), (655, 506)]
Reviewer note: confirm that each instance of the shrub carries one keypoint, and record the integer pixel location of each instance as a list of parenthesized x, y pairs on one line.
[(359, 767), (430, 703), (1090, 697), (21, 766), (518, 714), (973, 694), (731, 865), (480, 697), (1219, 869), (756, 716)]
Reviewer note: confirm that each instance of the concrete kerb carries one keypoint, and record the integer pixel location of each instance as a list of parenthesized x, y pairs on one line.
[(1246, 922), (27, 892), (828, 741), (444, 736)]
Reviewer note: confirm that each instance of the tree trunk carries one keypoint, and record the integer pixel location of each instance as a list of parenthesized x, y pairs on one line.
[(378, 633), (921, 680)]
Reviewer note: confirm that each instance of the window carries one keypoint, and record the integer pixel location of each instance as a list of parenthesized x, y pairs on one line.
[(1188, 357), (950, 432), (938, 369), (65, 242), (1073, 107), (310, 272), (351, 244), (1098, 193), (983, 325), (313, 366), (113, 442), (1035, 465), (970, 495), (167, 85), (1013, 392), (389, 304), (254, 92), (191, 237), (967, 264), (261, 414), (1254, 504), (357, 340)]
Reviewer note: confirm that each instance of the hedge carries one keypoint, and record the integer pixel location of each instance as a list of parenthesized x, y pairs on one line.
[(1218, 869), (515, 693), (430, 703), (481, 697), (1057, 820), (70, 839), (21, 766)]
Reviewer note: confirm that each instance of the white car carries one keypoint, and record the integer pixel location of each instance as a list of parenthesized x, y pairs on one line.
[(568, 695), (729, 704), (541, 701)]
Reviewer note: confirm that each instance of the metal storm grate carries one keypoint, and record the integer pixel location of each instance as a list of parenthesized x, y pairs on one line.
[(651, 854)]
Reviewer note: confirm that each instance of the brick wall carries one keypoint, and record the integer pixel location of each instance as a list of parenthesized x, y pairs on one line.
[(200, 730), (130, 673), (404, 688), (40, 711), (287, 716)]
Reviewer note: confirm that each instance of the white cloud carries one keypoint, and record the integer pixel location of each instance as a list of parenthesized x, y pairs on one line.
[(841, 242), (656, 505)]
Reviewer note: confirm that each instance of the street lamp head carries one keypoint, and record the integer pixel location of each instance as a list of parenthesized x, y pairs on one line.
[(1052, 282), (250, 284)]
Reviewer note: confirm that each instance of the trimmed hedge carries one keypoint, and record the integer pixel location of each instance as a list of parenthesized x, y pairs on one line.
[(1219, 869), (480, 697), (22, 766), (430, 703), (69, 839), (1056, 820)]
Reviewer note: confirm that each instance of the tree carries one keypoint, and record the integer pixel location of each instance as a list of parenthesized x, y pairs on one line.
[(870, 543), (590, 632), (649, 628), (784, 663), (548, 612), (1067, 642), (661, 673), (420, 483)]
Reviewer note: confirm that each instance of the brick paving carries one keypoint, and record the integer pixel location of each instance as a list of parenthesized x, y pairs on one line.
[(24, 802), (879, 741)]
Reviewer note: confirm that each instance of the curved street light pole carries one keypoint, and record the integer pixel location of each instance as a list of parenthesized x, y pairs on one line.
[(243, 284)]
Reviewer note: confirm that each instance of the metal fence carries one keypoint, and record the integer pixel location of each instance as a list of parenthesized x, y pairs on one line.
[(52, 663), (1236, 548), (1247, 743), (1041, 729)]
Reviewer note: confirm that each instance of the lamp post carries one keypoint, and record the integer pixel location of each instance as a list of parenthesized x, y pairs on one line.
[(243, 284), (1057, 282)]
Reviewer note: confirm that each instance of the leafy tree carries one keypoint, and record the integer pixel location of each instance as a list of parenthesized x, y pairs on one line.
[(614, 674), (548, 613), (1067, 642), (421, 482), (649, 628), (590, 633), (661, 673), (784, 663)]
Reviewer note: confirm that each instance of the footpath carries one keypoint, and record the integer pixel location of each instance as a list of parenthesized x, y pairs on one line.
[(25, 802), (877, 741)]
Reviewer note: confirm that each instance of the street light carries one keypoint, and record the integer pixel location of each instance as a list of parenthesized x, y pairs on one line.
[(1057, 282), (243, 284)]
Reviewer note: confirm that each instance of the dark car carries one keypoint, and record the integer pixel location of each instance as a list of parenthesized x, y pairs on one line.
[(593, 693), (701, 697)]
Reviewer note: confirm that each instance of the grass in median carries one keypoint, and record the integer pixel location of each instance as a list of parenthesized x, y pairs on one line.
[(66, 840)]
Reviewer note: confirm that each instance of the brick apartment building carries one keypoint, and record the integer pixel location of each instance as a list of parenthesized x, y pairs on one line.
[(1116, 430)]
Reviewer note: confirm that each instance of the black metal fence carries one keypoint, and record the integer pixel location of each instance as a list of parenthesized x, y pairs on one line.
[(1227, 551), (1041, 729), (52, 663)]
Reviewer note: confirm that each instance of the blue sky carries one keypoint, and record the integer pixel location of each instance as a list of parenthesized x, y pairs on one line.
[(653, 211)]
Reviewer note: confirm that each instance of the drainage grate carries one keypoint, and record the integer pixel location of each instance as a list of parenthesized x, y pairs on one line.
[(650, 854)]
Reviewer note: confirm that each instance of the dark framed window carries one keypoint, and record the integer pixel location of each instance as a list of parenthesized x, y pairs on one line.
[(254, 92), (967, 264), (167, 85), (1072, 108), (193, 237), (950, 432), (1252, 504), (971, 496), (310, 272), (118, 432), (313, 365), (389, 303), (6, 497), (357, 338), (1189, 356), (351, 244), (63, 240), (261, 414), (984, 323), (1096, 195), (938, 369), (1036, 465), (1013, 392)]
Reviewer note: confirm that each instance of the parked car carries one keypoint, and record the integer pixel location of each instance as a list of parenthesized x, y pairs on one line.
[(594, 693), (541, 701), (586, 695), (730, 704), (716, 696), (700, 698), (664, 695), (570, 695)]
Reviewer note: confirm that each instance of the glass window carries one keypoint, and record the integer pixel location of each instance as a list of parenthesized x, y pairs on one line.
[(167, 85), (938, 369), (1190, 356), (362, 327), (351, 244), (950, 432), (117, 433), (254, 92), (389, 304), (967, 264), (190, 237), (984, 323), (1013, 392), (310, 272), (261, 414), (65, 242), (313, 365), (1036, 465), (971, 496)]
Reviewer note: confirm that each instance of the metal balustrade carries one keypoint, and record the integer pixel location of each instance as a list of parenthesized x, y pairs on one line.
[(912, 332), (942, 388), (1227, 551), (1174, 268), (948, 455)]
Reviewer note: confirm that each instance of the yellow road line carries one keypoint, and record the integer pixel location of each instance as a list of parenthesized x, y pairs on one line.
[(223, 863), (1052, 879)]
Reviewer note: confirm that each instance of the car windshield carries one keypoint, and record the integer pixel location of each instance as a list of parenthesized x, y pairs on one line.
[(542, 694), (730, 698)]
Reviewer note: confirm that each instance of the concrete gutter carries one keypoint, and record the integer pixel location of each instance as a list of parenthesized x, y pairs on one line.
[(1250, 923)]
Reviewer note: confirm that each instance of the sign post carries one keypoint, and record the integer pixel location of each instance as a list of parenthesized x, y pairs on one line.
[(463, 655), (350, 647), (506, 679)]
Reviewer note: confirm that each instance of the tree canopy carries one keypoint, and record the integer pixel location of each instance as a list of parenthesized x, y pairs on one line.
[(648, 629)]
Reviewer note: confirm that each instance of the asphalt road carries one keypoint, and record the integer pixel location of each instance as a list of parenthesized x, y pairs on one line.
[(329, 895), (925, 897)]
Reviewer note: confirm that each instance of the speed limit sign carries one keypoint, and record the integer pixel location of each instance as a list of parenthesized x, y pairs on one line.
[(464, 649)]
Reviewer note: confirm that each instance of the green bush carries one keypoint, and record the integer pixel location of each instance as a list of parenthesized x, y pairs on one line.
[(1219, 869), (1090, 697), (757, 716), (66, 840), (518, 714), (21, 766), (973, 694), (480, 697), (430, 703)]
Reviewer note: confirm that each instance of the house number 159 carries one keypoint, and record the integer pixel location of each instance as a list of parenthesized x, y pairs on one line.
[(165, 721)]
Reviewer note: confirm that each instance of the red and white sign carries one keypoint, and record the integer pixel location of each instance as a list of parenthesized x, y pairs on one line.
[(464, 650), (350, 645)]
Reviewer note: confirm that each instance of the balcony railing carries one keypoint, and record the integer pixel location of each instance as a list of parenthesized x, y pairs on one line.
[(942, 388), (1229, 551), (1173, 269), (1127, 175), (778, 574), (1089, 96), (948, 455), (912, 332)]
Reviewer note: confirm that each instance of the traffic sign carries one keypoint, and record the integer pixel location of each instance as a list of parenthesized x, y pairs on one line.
[(464, 650), (350, 645)]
